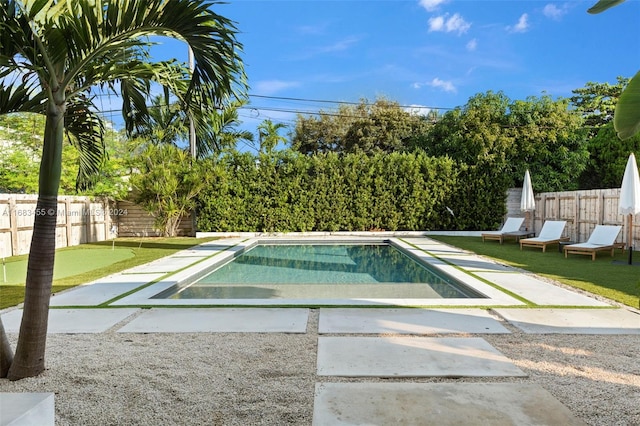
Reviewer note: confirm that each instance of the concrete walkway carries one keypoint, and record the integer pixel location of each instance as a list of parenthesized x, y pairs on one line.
[(362, 343)]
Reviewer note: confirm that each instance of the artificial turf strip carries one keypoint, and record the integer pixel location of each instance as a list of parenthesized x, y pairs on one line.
[(609, 277), (144, 251), (69, 263)]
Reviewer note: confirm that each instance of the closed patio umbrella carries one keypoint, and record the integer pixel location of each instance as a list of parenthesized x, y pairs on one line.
[(629, 203), (527, 202)]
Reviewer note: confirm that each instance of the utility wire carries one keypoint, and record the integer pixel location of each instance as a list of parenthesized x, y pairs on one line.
[(341, 102)]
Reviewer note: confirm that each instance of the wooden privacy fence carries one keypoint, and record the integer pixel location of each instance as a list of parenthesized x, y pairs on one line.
[(582, 210), (79, 220), (83, 219), (136, 222)]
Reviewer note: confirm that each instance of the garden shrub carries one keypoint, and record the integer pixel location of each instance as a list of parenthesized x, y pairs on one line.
[(286, 192)]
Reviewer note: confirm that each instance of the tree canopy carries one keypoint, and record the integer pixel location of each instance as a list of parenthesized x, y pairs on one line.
[(538, 133), (381, 126), (597, 101), (608, 157), (21, 138)]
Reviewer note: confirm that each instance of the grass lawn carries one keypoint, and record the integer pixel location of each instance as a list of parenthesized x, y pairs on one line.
[(87, 262), (610, 277)]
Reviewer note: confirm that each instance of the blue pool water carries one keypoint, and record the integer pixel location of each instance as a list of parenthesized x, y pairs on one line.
[(323, 271)]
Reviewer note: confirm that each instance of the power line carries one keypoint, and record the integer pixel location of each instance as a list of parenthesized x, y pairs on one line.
[(284, 98)]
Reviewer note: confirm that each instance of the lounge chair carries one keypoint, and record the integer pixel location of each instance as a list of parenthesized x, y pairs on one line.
[(551, 233), (510, 227), (603, 237)]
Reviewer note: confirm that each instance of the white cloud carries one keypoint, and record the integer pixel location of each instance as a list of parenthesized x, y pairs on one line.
[(552, 11), (269, 87), (436, 23), (472, 45), (455, 23), (522, 25), (447, 86), (418, 110), (431, 5)]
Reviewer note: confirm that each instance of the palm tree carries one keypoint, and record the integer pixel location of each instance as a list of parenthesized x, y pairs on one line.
[(52, 53), (268, 135), (166, 123), (224, 132)]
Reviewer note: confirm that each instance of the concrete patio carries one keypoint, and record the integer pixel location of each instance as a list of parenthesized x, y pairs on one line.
[(379, 343)]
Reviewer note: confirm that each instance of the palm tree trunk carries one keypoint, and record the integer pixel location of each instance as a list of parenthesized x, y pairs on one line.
[(30, 350), (6, 354)]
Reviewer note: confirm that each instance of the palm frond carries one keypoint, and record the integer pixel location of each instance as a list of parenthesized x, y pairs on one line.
[(16, 39), (119, 30), (20, 97), (85, 131)]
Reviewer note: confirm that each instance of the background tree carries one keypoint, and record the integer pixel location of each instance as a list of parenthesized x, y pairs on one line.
[(475, 133), (382, 126), (608, 157), (223, 128), (21, 138), (166, 122), (269, 137), (52, 54), (504, 137), (322, 133), (21, 143), (549, 140), (166, 184), (597, 102)]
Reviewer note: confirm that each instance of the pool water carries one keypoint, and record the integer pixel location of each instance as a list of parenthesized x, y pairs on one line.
[(323, 271)]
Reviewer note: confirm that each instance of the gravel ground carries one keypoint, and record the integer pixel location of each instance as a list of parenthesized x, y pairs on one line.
[(268, 379)]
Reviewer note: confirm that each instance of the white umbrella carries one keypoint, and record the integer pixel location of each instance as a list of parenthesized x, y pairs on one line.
[(527, 202), (629, 203)]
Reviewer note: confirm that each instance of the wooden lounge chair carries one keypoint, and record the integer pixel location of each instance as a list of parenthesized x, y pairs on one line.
[(551, 233), (510, 227), (603, 237)]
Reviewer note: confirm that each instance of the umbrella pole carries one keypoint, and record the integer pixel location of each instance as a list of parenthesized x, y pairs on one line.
[(630, 238)]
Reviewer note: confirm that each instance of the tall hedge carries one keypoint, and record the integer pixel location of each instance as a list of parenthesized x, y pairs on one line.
[(286, 191)]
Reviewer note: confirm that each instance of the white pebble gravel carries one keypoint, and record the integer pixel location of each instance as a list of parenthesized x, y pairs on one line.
[(269, 378)]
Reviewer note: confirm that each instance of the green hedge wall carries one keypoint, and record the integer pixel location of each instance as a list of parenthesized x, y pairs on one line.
[(286, 191)]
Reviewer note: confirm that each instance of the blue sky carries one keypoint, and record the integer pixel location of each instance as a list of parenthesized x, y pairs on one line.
[(433, 53)]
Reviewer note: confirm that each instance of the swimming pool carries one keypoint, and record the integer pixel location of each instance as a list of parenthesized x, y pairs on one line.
[(320, 271), (455, 265)]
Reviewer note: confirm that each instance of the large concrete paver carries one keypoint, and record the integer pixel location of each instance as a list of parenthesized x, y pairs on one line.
[(573, 321), (222, 320), (408, 321), (73, 320), (442, 404), (539, 292), (412, 357), (102, 290), (27, 408)]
